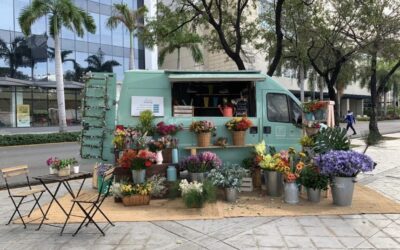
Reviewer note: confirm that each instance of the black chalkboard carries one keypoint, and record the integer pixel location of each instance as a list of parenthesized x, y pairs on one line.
[(241, 107)]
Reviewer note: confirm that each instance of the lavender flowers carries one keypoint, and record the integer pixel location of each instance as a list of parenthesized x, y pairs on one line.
[(201, 163), (343, 163)]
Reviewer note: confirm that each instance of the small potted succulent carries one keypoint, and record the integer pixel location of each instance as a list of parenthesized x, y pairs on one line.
[(342, 167), (238, 126), (203, 130), (230, 178)]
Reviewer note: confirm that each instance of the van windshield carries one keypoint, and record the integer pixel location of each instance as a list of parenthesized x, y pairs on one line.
[(211, 98)]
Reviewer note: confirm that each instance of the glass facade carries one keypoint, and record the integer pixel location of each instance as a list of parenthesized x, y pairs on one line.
[(29, 105)]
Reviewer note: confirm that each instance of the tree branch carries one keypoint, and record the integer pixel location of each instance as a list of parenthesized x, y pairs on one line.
[(279, 38)]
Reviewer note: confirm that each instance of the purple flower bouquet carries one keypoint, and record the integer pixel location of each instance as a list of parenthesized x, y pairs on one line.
[(343, 163), (201, 163)]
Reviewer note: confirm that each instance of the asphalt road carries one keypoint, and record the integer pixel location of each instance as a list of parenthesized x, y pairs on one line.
[(36, 155)]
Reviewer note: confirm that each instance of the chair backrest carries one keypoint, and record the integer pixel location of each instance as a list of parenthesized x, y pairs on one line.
[(14, 171), (106, 181)]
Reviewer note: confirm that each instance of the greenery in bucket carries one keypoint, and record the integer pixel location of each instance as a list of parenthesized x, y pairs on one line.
[(195, 194), (311, 177), (146, 123), (228, 176)]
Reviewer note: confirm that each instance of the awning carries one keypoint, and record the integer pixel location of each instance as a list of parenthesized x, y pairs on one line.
[(239, 77)]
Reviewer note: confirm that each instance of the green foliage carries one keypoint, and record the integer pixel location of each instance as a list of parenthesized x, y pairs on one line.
[(173, 190), (311, 178), (331, 139), (146, 125), (307, 141), (96, 63), (193, 199), (209, 191), (27, 139)]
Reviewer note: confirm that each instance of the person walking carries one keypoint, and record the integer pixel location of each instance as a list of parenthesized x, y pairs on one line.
[(350, 121)]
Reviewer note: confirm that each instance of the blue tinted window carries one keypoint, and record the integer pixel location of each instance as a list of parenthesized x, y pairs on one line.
[(39, 27), (126, 38), (105, 31), (119, 70), (18, 6), (80, 58), (95, 38), (6, 13), (117, 36)]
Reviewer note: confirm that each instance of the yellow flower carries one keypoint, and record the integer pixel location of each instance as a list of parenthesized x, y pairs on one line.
[(260, 148)]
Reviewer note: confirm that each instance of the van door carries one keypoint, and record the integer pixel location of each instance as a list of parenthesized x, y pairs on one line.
[(281, 116)]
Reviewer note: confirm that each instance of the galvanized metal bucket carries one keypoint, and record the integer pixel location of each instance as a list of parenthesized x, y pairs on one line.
[(314, 195), (342, 190), (291, 193), (138, 176), (199, 177), (231, 194), (274, 183)]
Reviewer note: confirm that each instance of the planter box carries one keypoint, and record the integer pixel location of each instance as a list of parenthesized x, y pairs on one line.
[(247, 184), (136, 200)]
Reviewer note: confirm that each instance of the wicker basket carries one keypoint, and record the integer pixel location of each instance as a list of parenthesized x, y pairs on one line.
[(64, 171), (311, 131), (238, 138), (136, 200), (203, 139)]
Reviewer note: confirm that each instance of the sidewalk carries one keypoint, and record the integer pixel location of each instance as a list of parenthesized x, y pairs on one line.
[(364, 231), (37, 130)]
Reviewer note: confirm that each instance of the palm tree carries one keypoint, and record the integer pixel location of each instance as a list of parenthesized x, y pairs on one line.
[(182, 39), (96, 63), (131, 20), (61, 13), (14, 54)]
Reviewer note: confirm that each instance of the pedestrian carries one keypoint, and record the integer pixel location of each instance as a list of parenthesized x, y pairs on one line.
[(350, 121)]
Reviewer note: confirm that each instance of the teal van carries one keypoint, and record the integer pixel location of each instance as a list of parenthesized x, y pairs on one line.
[(180, 97)]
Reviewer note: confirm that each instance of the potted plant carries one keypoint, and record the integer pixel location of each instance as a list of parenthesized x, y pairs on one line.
[(137, 162), (238, 126), (318, 110), (342, 167), (165, 129), (273, 168), (146, 123), (230, 178), (198, 165), (119, 141), (312, 179), (312, 128), (157, 147), (136, 194), (307, 143), (203, 129), (252, 164), (53, 164), (192, 193), (308, 110), (293, 164), (168, 131)]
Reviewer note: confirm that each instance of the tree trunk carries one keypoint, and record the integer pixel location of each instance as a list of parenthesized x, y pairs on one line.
[(178, 60), (332, 97), (60, 84), (321, 88), (131, 52), (373, 124), (338, 105), (301, 81), (279, 38)]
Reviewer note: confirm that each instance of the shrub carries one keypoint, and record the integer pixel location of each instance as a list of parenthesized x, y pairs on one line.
[(27, 139)]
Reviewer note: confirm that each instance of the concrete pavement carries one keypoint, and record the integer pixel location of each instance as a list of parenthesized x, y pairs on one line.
[(363, 231)]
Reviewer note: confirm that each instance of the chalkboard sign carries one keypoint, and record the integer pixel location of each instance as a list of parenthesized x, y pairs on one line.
[(241, 107)]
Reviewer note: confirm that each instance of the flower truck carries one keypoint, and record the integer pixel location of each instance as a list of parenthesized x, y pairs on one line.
[(185, 97)]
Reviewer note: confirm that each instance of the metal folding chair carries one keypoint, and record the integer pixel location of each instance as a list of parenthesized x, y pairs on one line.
[(18, 196), (95, 201)]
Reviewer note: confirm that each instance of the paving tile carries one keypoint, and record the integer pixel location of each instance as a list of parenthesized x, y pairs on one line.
[(326, 242), (298, 242), (286, 221), (179, 229), (309, 221), (291, 230), (375, 216), (343, 231), (384, 243), (268, 229), (317, 231), (245, 241), (392, 231), (336, 222), (352, 216), (393, 216), (351, 242), (365, 245)]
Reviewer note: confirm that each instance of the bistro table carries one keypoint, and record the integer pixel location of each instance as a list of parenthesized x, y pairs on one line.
[(61, 180)]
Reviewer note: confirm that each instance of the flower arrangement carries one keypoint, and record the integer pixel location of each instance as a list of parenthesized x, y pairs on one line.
[(200, 163), (293, 164), (268, 161), (192, 193), (158, 145), (307, 141), (164, 129), (239, 124), (309, 107), (343, 163), (146, 125), (229, 176), (102, 168), (58, 164), (136, 189), (202, 127), (311, 177), (136, 161), (119, 138)]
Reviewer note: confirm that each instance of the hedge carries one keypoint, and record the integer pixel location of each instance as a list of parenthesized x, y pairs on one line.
[(27, 139)]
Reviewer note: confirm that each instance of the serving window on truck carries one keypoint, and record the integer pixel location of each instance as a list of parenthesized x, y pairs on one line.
[(210, 98)]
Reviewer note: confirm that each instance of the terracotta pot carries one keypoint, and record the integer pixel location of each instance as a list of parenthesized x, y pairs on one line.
[(203, 139), (238, 138)]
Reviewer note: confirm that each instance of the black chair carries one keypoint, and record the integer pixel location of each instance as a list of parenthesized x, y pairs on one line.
[(95, 201), (18, 196)]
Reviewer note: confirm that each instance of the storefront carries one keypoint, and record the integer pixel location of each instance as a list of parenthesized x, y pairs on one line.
[(34, 104)]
